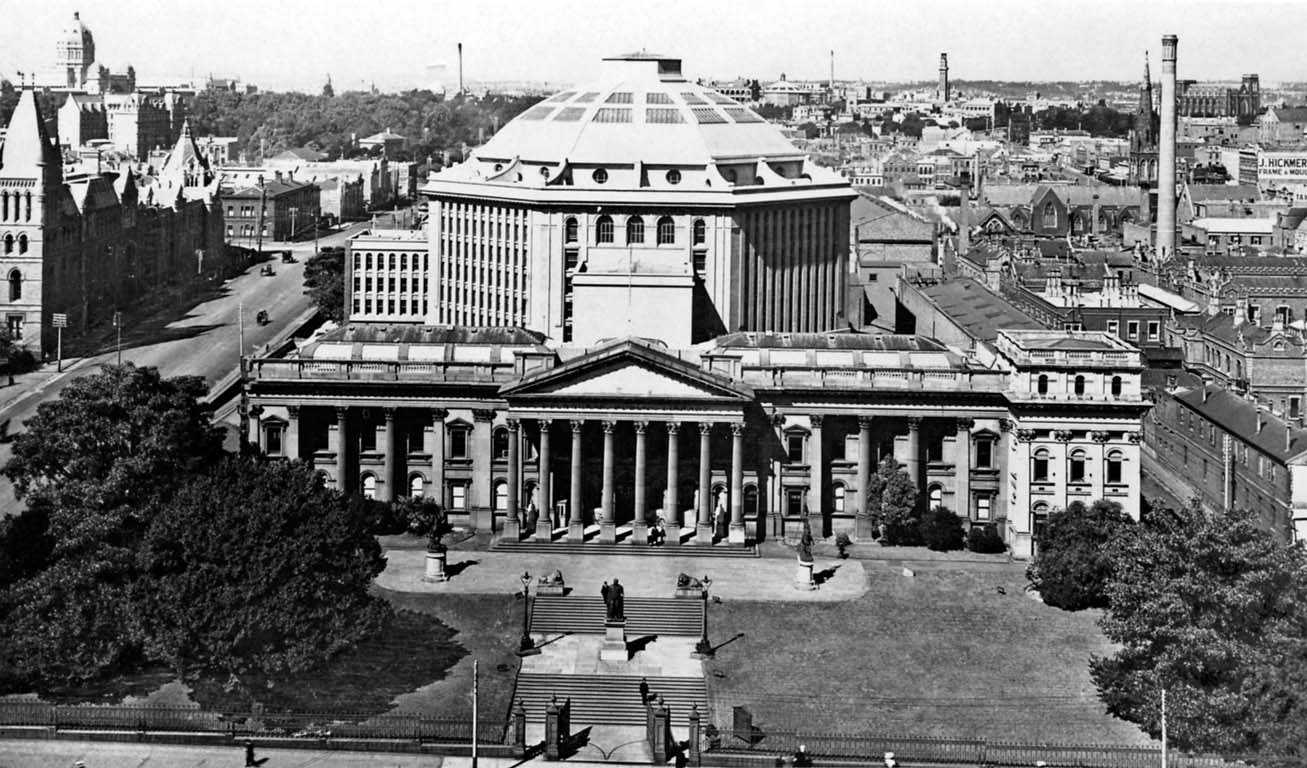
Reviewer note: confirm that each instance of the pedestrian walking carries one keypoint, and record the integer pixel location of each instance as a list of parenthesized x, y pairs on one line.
[(250, 762), (644, 691)]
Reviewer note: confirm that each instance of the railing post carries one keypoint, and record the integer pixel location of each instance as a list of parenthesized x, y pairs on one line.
[(552, 736), (519, 725), (692, 745)]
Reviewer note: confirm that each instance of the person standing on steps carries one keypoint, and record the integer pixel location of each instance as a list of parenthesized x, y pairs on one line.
[(644, 690)]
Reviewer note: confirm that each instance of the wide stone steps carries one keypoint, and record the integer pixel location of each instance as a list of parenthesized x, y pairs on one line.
[(577, 614), (609, 699), (571, 547)]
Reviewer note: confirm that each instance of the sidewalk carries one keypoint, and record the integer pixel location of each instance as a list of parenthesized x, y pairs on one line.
[(24, 753)]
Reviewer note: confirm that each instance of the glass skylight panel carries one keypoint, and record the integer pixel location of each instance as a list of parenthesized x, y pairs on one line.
[(707, 115)]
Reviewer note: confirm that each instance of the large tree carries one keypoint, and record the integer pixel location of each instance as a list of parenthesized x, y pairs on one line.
[(1201, 605), (1072, 567), (324, 282), (256, 567), (899, 505)]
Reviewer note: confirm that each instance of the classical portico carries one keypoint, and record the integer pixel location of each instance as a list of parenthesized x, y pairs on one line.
[(629, 407)]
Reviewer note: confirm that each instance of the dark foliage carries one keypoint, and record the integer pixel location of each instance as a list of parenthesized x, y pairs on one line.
[(324, 282), (1074, 564), (941, 530), (985, 539)]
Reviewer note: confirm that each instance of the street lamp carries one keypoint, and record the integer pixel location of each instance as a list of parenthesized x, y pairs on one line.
[(704, 649), (527, 646)]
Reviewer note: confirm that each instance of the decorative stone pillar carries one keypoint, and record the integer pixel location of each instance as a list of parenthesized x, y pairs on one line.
[(816, 478), (913, 462), (776, 491), (864, 526), (386, 488), (735, 534), (545, 486), (575, 511), (480, 500), (671, 507), (342, 449), (640, 520), (437, 451), (962, 469), (256, 426), (1001, 461), (607, 528), (291, 445), (513, 523), (704, 533)]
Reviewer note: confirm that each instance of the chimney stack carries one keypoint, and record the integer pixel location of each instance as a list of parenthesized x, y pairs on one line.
[(831, 87), (1288, 436), (460, 69), (1261, 418), (1205, 389), (1166, 154), (943, 77)]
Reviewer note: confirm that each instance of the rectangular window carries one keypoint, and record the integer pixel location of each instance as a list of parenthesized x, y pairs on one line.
[(368, 438), (1114, 327), (1039, 470), (272, 440), (794, 448), (982, 507), (458, 497), (1154, 330), (1295, 407), (1076, 470), (1132, 329), (984, 455), (458, 444), (794, 503)]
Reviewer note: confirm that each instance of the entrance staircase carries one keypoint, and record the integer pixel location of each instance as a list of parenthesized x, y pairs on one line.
[(584, 615), (571, 547), (609, 699)]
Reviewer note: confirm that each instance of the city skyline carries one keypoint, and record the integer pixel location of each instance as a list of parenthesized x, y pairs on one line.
[(872, 41)]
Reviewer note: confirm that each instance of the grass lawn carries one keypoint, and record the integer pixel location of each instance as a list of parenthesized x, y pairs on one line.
[(939, 654)]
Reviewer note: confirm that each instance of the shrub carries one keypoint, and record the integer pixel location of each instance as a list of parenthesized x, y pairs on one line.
[(941, 530), (1074, 564), (899, 508), (985, 539)]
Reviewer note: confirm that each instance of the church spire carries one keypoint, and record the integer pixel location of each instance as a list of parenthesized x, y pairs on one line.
[(28, 151)]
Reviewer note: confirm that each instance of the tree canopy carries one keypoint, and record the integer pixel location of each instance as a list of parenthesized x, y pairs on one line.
[(1073, 564), (324, 282), (1212, 608)]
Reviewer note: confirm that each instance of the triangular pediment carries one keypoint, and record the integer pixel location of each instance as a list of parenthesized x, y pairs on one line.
[(628, 370)]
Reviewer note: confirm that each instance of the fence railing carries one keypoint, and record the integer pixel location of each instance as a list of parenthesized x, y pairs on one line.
[(857, 746), (335, 724)]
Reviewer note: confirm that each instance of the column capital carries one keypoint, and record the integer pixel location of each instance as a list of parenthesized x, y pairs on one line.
[(389, 413), (544, 424), (513, 424), (1025, 435), (866, 422), (778, 420), (965, 423), (1006, 425), (577, 426), (673, 427), (438, 415), (1134, 437), (815, 420), (914, 423), (293, 411), (641, 427), (609, 426), (1063, 435), (341, 412), (1102, 437), (483, 414), (737, 429), (705, 428), (256, 411)]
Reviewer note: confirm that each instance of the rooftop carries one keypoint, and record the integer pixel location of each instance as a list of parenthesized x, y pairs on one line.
[(1240, 418), (979, 311)]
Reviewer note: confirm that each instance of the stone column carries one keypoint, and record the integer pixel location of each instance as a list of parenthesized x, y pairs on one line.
[(913, 462), (735, 534), (704, 534), (607, 528), (514, 480), (545, 525), (256, 426), (437, 451), (640, 521), (291, 445), (386, 491), (480, 499), (1003, 452), (342, 449), (575, 513), (776, 491), (962, 469), (816, 478), (671, 508), (863, 528)]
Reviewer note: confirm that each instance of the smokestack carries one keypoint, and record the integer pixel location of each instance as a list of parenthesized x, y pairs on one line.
[(943, 76), (460, 69), (1166, 154), (831, 87)]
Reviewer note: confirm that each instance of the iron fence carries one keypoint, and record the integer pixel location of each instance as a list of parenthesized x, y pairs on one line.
[(313, 725)]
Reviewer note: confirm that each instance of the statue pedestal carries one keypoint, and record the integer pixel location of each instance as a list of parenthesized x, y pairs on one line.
[(640, 532), (614, 647), (435, 570), (736, 534), (512, 530), (803, 577)]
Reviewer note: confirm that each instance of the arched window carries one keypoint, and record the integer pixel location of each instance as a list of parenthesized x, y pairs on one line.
[(417, 486), (604, 229), (1041, 384), (1076, 466), (1114, 462), (15, 285), (28, 212), (1080, 386), (4, 206), (499, 444), (501, 496), (22, 243), (570, 229), (1050, 213), (368, 485), (1116, 386), (935, 496), (750, 501), (700, 232), (666, 231), (1038, 520), (9, 243), (837, 498), (634, 230), (1039, 466)]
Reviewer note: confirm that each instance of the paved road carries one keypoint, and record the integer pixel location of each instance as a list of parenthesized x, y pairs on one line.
[(199, 341)]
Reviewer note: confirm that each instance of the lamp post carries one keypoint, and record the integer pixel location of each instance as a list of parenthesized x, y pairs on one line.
[(527, 646), (703, 649)]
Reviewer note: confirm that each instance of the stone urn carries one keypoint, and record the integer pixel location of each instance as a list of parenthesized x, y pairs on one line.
[(436, 553)]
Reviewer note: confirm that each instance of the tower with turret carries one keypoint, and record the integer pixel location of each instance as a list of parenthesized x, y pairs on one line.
[(1143, 135)]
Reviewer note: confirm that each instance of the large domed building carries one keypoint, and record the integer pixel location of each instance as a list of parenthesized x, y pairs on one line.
[(643, 204)]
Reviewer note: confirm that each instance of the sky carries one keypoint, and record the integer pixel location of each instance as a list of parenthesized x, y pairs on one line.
[(295, 44)]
